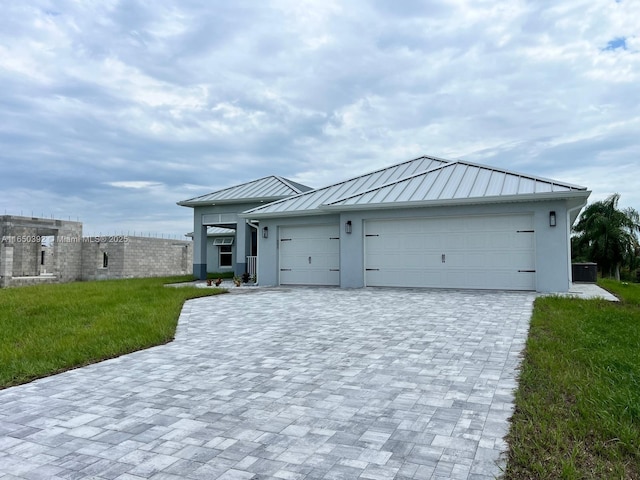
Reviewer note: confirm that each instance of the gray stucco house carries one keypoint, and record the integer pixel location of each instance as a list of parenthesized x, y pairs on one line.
[(426, 222)]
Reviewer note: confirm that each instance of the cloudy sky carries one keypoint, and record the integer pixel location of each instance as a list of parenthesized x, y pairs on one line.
[(112, 111)]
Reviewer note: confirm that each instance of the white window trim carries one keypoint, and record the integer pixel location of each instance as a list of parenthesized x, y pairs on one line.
[(223, 241)]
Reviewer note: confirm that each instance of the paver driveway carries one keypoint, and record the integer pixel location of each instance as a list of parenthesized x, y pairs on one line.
[(287, 383)]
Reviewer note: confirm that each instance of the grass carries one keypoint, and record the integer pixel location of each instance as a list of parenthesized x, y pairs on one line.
[(47, 329), (577, 410)]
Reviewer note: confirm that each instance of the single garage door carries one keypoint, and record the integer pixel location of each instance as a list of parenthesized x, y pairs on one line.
[(310, 255), (478, 252)]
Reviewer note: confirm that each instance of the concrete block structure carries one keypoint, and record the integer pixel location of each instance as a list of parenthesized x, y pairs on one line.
[(133, 257), (21, 245), (40, 250)]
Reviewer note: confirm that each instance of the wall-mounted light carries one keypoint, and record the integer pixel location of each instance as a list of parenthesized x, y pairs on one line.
[(552, 219), (347, 226), (265, 232)]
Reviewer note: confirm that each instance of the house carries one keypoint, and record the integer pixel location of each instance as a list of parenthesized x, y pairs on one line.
[(426, 222)]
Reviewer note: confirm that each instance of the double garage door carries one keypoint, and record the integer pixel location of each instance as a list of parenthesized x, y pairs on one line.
[(483, 252), (477, 252)]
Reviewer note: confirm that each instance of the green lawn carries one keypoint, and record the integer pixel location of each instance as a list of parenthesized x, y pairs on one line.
[(51, 328), (578, 404)]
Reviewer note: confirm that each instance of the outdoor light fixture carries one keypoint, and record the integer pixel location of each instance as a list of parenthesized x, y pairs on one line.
[(347, 226), (265, 232), (552, 219)]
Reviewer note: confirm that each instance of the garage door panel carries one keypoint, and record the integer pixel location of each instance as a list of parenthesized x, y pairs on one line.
[(480, 252), (309, 255)]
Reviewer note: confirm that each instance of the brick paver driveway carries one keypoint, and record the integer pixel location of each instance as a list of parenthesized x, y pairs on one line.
[(287, 383)]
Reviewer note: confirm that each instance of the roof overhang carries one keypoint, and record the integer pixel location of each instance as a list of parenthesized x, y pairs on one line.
[(576, 198), (235, 201), (579, 196), (295, 213)]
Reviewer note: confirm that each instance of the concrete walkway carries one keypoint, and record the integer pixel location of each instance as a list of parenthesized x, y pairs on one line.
[(287, 384)]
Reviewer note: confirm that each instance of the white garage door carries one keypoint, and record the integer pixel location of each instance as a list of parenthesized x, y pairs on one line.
[(310, 255), (480, 252)]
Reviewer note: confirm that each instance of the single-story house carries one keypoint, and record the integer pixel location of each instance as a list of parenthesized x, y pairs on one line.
[(426, 222)]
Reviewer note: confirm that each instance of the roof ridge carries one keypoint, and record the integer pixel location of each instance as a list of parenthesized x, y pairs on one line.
[(293, 185)]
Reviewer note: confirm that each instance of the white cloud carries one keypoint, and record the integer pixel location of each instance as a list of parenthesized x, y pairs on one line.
[(134, 184)]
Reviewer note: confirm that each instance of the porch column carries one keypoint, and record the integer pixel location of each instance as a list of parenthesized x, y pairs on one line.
[(243, 236), (199, 249)]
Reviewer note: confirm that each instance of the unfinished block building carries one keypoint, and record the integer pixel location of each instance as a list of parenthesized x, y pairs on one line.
[(41, 250)]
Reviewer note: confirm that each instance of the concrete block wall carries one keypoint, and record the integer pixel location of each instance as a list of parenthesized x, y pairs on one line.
[(136, 257), (71, 257), (154, 257), (67, 251), (6, 264), (94, 250), (25, 252), (24, 237)]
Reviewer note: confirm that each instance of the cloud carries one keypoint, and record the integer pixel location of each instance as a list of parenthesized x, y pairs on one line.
[(134, 184), (113, 111)]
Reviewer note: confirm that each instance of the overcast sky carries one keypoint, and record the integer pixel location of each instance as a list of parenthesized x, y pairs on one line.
[(112, 111)]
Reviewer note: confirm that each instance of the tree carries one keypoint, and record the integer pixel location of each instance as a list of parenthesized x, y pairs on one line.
[(608, 236)]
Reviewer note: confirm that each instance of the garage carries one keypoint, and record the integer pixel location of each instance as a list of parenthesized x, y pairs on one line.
[(475, 252), (426, 222), (309, 255)]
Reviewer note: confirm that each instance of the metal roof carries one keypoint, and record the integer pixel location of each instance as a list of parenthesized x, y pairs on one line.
[(267, 188), (216, 231), (458, 181), (308, 202), (425, 180)]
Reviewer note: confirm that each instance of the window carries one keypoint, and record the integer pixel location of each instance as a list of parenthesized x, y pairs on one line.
[(105, 260), (225, 256), (222, 241)]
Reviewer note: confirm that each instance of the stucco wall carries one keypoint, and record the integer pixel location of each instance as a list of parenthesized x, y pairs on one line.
[(205, 215), (552, 254)]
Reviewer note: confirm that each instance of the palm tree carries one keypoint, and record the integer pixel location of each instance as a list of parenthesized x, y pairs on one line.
[(608, 236)]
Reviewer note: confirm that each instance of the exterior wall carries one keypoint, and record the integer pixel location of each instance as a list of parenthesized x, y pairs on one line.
[(67, 252), (71, 257), (25, 254), (553, 272), (213, 257), (136, 257), (24, 237), (6, 264), (208, 215)]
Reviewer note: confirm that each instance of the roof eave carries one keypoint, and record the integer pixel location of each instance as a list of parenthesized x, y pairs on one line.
[(205, 203), (535, 197), (295, 213)]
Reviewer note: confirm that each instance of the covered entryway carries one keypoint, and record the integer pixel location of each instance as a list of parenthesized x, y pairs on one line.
[(477, 252), (309, 255)]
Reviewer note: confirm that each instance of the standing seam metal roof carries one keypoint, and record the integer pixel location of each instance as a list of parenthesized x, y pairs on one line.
[(263, 188), (454, 181), (309, 201)]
